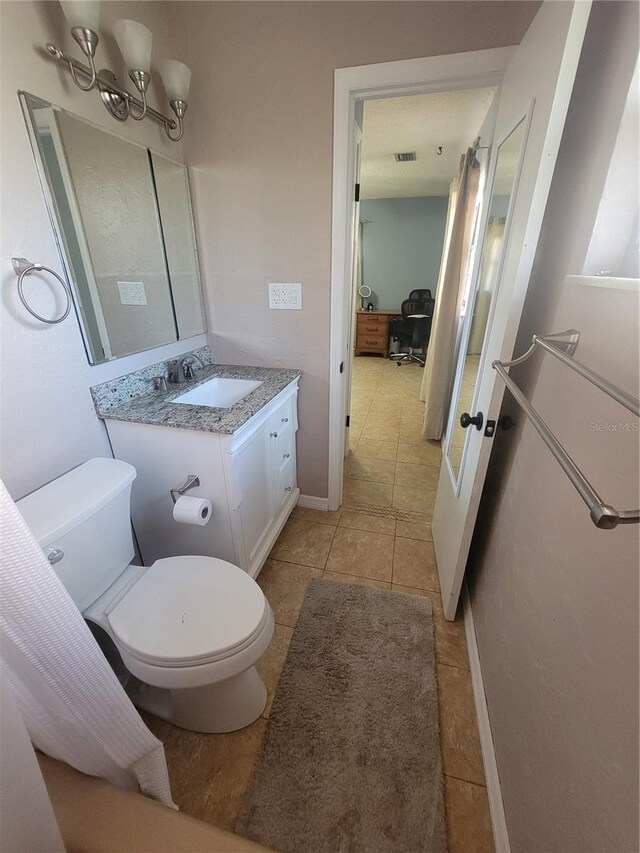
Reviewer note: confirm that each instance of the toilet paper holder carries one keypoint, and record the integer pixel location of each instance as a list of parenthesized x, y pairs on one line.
[(190, 483)]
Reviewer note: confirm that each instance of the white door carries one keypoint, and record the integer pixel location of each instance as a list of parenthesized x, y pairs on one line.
[(534, 99)]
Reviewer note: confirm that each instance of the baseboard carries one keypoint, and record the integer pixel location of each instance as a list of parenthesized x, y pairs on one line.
[(312, 502), (494, 793)]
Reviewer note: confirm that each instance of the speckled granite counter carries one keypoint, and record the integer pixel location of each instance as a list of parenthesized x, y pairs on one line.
[(128, 398)]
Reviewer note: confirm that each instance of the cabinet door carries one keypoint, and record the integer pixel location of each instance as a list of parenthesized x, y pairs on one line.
[(254, 481)]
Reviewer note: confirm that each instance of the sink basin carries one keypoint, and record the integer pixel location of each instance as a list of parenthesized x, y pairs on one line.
[(218, 392)]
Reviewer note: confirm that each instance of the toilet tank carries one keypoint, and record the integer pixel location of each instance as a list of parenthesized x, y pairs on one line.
[(82, 523)]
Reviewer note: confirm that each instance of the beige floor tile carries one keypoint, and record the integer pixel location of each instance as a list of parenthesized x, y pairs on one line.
[(377, 418), (285, 585), (340, 578), (423, 453), (414, 530), (414, 564), (365, 492), (416, 500), (461, 752), (416, 476), (210, 773), (304, 542), (369, 448), (381, 431), (411, 434), (305, 513), (468, 817), (376, 470), (270, 664), (364, 521), (451, 641), (357, 552)]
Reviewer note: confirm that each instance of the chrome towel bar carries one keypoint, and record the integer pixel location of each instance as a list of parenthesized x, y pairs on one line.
[(562, 346)]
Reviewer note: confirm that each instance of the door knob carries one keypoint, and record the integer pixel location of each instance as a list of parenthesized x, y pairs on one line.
[(466, 420)]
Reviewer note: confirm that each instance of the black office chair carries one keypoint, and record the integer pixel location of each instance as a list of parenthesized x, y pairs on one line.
[(414, 330), (421, 295)]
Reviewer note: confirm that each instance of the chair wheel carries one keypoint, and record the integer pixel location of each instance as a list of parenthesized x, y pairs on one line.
[(399, 363)]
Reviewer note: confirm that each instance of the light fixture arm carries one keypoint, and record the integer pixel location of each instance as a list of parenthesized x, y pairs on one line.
[(179, 107), (88, 41), (141, 82), (107, 84)]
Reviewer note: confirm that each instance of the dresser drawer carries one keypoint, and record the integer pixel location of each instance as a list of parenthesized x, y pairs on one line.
[(372, 325), (371, 341)]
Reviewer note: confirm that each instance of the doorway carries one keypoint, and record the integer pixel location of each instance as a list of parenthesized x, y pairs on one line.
[(410, 150), (394, 80)]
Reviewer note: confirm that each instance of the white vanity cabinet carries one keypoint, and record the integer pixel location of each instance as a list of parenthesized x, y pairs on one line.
[(250, 478)]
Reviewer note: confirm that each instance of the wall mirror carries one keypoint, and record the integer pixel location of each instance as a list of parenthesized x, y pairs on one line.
[(508, 158), (122, 218)]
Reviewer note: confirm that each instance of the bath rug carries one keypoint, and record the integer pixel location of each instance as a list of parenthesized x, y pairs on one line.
[(351, 757)]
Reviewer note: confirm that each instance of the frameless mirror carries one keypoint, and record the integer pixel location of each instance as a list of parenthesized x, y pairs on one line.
[(508, 157), (122, 219)]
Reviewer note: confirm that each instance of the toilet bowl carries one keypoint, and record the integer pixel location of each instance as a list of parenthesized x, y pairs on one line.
[(190, 629)]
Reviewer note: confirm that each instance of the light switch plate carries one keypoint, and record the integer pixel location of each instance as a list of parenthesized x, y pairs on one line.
[(132, 293), (285, 296)]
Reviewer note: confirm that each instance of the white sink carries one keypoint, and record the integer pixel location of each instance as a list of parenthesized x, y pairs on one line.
[(218, 392)]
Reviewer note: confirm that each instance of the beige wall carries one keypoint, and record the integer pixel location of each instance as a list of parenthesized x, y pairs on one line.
[(259, 139), (555, 601), (48, 424)]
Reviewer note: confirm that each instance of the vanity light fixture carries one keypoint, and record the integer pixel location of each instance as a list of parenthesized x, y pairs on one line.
[(134, 41)]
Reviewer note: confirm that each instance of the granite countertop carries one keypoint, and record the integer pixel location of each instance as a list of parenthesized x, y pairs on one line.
[(156, 407)]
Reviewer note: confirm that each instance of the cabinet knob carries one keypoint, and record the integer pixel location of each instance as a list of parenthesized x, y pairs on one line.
[(287, 488), (285, 420), (286, 455), (274, 435)]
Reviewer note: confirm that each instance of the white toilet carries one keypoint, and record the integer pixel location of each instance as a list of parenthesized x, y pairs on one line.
[(190, 629)]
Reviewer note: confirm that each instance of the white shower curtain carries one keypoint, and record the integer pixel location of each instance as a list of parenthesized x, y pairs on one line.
[(72, 704)]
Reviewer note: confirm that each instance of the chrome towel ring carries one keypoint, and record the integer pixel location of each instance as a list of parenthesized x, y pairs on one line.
[(22, 268)]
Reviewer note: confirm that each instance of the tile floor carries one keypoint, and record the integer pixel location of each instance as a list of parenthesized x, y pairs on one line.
[(390, 472)]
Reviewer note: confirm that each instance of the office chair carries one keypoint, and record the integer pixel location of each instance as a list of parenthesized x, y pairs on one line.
[(414, 329), (421, 295)]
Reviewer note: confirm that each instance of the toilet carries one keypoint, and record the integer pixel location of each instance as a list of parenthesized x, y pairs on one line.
[(188, 629)]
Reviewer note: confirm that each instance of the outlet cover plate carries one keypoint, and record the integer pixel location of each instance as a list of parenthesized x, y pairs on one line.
[(132, 293), (286, 297)]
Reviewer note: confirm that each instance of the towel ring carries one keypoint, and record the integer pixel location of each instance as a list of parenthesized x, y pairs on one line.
[(23, 267)]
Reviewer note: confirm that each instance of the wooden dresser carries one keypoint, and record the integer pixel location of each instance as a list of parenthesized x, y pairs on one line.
[(372, 331)]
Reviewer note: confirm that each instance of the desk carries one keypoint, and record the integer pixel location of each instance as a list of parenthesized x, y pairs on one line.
[(372, 331)]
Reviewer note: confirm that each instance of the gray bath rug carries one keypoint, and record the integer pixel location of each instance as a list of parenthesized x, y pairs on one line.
[(351, 757)]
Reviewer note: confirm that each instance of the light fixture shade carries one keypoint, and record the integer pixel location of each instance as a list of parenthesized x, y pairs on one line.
[(82, 13), (176, 79), (134, 41)]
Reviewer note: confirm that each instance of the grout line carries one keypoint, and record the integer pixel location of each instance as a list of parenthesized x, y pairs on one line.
[(454, 666)]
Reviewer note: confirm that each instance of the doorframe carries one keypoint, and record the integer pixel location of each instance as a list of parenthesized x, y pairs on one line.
[(469, 70)]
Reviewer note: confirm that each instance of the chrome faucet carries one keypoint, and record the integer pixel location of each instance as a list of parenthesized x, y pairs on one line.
[(181, 369)]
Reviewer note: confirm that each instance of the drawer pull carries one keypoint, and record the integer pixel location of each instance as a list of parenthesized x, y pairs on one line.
[(287, 488), (285, 420), (286, 455), (274, 435)]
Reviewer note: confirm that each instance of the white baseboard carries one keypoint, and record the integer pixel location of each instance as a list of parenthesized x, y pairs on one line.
[(494, 793), (311, 502)]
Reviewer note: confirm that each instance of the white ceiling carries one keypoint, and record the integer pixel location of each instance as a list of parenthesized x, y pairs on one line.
[(419, 123)]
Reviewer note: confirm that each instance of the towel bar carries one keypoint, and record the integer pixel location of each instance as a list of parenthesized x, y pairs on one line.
[(562, 346)]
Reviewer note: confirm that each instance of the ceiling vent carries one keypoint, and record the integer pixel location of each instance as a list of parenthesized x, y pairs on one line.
[(405, 157)]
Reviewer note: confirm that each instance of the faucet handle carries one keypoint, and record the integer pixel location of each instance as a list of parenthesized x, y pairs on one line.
[(160, 383)]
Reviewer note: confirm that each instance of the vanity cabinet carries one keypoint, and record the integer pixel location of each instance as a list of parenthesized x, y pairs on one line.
[(250, 478)]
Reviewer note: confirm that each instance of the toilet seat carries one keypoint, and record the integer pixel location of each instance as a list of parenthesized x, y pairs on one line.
[(189, 611)]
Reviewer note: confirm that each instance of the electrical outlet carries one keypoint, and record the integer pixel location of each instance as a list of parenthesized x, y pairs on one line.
[(285, 296), (132, 293)]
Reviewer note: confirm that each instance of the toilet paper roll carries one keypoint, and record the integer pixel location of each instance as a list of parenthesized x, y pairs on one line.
[(188, 510)]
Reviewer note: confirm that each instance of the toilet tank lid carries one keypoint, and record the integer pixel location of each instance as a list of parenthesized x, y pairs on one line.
[(66, 502)]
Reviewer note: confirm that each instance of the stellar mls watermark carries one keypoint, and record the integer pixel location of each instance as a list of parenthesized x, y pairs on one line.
[(614, 426)]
